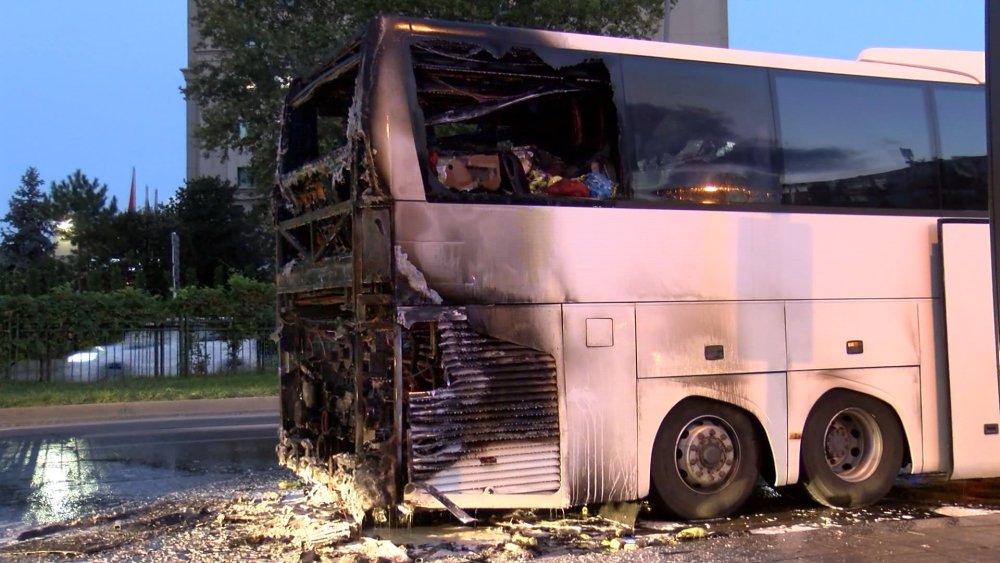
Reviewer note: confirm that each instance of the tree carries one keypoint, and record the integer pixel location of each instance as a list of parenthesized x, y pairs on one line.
[(81, 204), (140, 244), (263, 43), (215, 233), (27, 245)]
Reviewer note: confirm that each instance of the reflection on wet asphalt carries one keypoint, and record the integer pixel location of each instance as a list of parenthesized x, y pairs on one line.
[(53, 474)]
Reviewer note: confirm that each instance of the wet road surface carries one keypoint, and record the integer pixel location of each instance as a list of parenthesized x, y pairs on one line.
[(50, 474)]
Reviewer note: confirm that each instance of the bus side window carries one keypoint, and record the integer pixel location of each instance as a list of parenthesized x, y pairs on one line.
[(701, 132), (855, 142), (961, 114), (529, 133)]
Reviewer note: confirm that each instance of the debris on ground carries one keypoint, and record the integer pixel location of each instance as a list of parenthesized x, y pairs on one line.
[(288, 521)]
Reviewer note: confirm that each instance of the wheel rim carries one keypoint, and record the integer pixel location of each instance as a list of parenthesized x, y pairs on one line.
[(853, 445), (707, 453)]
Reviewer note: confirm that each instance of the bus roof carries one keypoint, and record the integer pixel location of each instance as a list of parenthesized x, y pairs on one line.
[(915, 64), (968, 63)]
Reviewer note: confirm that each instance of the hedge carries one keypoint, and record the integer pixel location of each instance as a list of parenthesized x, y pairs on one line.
[(59, 323)]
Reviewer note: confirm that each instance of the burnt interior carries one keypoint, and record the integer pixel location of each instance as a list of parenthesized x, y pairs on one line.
[(513, 124), (317, 390), (335, 293)]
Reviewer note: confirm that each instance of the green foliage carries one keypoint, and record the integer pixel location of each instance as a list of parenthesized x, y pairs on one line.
[(262, 44), (217, 237), (244, 300), (56, 324), (64, 321), (139, 243), (81, 204), (81, 199), (26, 244), (112, 250)]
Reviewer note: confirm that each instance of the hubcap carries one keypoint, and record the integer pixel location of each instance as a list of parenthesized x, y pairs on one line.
[(707, 454), (853, 445)]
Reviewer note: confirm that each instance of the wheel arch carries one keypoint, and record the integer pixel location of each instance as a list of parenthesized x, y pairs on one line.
[(897, 387), (752, 394), (765, 452), (907, 454)]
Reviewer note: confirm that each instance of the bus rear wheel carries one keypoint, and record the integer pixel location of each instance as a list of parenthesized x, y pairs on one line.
[(705, 460), (852, 449)]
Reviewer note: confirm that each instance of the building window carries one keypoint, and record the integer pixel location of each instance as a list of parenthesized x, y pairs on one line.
[(243, 177)]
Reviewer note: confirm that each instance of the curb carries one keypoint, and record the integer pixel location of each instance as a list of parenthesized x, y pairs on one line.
[(61, 415)]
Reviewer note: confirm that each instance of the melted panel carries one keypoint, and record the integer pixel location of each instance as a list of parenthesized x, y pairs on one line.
[(493, 427)]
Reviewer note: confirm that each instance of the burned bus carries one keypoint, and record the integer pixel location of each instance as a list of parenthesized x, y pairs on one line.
[(524, 268)]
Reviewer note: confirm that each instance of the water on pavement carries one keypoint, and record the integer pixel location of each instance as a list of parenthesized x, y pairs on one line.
[(59, 474)]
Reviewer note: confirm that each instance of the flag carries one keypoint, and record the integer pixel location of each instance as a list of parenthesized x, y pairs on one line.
[(131, 193)]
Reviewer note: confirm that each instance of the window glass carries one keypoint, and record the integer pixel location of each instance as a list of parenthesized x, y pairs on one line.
[(961, 112), (855, 142), (243, 176), (701, 132)]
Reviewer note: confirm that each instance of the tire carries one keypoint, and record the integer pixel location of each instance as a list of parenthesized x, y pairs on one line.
[(852, 450), (705, 460)]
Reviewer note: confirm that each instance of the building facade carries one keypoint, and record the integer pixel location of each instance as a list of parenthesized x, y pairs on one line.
[(696, 22), (234, 167)]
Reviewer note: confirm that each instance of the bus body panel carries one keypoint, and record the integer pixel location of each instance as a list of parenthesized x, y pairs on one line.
[(685, 339), (601, 419), (852, 334), (474, 253), (390, 123), (972, 352)]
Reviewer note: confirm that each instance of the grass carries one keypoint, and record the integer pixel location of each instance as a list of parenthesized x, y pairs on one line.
[(219, 386)]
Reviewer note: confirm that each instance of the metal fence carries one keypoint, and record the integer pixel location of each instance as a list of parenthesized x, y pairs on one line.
[(167, 350)]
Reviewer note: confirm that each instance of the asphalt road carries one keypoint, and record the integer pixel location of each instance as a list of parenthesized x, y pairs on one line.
[(53, 473)]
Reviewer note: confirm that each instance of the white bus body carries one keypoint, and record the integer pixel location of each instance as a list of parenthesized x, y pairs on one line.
[(752, 299)]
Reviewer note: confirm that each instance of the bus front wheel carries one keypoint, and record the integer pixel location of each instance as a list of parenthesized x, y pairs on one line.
[(852, 449), (704, 460)]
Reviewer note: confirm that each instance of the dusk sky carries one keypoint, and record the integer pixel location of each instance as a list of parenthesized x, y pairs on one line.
[(94, 85)]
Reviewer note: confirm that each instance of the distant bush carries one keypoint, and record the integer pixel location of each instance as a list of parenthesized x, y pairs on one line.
[(53, 325)]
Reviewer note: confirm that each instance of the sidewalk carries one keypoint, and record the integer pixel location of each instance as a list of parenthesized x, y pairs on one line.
[(75, 414)]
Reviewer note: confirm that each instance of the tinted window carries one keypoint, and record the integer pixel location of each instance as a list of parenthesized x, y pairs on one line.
[(855, 142), (700, 132), (961, 112)]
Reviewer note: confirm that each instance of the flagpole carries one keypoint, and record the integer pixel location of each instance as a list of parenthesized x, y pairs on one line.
[(131, 193)]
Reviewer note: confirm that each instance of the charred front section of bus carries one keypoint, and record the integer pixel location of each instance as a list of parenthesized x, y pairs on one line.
[(338, 397), (396, 387)]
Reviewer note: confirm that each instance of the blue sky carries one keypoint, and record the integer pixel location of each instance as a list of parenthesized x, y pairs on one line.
[(93, 84)]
